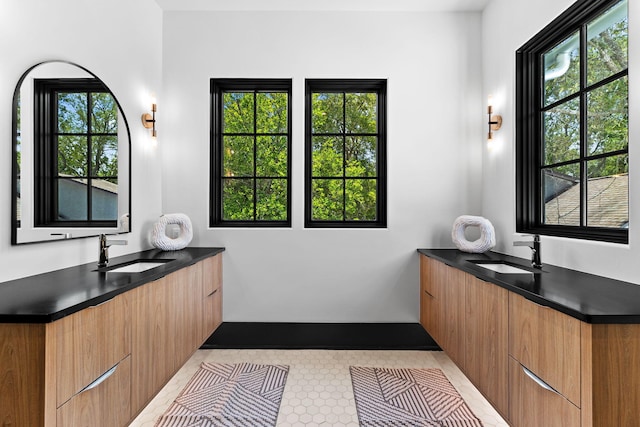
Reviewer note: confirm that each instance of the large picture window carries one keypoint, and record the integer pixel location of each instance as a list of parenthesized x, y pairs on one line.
[(251, 145), (572, 125), (76, 156), (345, 141)]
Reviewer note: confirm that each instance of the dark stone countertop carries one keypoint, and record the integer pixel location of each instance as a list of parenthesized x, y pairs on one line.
[(587, 297), (50, 296)]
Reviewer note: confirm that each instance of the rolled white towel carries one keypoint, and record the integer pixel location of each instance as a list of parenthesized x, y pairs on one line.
[(159, 237), (487, 238)]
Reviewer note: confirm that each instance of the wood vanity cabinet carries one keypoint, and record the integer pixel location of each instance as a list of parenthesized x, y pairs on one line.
[(486, 334), (171, 319), (63, 373), (90, 343), (430, 297), (101, 365), (544, 370), (442, 313), (212, 295), (468, 319), (536, 365)]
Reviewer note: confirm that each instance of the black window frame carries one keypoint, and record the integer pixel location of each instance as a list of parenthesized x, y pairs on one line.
[(529, 126), (379, 86), (45, 153), (217, 87)]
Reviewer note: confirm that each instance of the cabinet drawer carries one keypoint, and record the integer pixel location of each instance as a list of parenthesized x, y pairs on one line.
[(532, 405), (212, 312), (212, 294), (89, 343), (212, 274), (546, 342), (105, 402)]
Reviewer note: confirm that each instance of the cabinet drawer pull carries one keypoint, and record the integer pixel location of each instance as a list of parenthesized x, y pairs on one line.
[(537, 303), (212, 293), (101, 303), (538, 381), (102, 378), (428, 294)]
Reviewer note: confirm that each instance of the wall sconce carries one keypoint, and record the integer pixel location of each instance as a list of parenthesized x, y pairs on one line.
[(495, 122), (149, 120)]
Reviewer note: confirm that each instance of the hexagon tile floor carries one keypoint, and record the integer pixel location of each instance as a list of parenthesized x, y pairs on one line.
[(318, 392)]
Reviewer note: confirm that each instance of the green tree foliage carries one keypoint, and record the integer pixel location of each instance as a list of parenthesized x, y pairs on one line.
[(344, 156), (607, 105), (255, 156), (88, 134), (606, 133)]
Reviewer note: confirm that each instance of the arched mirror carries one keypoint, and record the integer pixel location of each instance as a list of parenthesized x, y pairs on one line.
[(71, 156)]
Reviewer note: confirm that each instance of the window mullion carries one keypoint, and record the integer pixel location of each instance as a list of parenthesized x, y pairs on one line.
[(583, 126), (255, 155), (90, 172), (344, 156)]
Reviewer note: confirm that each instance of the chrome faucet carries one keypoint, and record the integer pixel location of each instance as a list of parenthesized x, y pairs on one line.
[(103, 258), (536, 260)]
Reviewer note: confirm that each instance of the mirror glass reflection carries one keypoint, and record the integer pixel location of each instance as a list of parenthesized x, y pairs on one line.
[(71, 156)]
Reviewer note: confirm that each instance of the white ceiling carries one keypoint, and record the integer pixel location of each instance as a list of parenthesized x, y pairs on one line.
[(325, 5)]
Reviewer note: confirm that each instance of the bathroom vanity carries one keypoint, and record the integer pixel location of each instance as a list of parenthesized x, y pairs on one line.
[(547, 347), (87, 346)]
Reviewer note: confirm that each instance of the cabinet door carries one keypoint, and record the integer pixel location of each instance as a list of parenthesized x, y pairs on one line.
[(486, 331), (532, 405), (107, 403), (152, 362), (90, 342), (453, 315), (185, 306), (442, 306), (23, 385), (212, 295), (430, 300), (546, 342)]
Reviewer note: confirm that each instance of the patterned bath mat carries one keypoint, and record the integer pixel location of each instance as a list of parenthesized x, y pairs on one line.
[(408, 397), (241, 395)]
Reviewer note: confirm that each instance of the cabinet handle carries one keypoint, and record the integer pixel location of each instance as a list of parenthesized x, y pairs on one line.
[(428, 294), (538, 381), (101, 303), (102, 378), (212, 293)]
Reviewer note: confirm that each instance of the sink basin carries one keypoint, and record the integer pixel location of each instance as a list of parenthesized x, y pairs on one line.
[(502, 267), (137, 266)]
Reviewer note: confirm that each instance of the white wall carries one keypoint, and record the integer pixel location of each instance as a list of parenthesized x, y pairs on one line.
[(121, 42), (432, 62), (507, 25)]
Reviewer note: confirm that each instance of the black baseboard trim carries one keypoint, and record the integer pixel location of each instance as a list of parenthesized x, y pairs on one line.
[(327, 336)]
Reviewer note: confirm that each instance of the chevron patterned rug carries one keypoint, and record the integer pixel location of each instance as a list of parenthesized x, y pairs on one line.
[(241, 395), (408, 397)]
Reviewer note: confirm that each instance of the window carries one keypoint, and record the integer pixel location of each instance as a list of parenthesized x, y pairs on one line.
[(251, 145), (345, 139), (572, 125), (76, 155)]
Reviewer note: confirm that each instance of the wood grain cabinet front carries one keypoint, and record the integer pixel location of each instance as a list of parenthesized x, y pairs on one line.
[(172, 317), (100, 366), (536, 365), (547, 343), (105, 402), (442, 310), (486, 334), (535, 404), (90, 342), (212, 295)]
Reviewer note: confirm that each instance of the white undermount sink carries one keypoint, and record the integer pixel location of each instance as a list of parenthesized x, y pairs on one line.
[(137, 267), (501, 267)]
